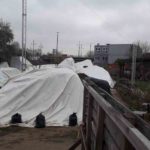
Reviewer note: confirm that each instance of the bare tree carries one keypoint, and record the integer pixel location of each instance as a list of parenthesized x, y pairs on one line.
[(90, 54), (144, 45)]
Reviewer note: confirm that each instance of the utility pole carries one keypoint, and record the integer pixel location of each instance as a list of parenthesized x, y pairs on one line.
[(79, 51), (24, 33), (33, 55), (90, 49), (57, 43), (134, 55)]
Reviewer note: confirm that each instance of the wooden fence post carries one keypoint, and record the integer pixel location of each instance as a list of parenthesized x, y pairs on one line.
[(100, 129), (88, 124)]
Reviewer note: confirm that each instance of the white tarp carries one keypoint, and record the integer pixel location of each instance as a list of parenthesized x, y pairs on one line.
[(98, 73), (3, 79), (55, 92), (83, 64), (6, 74), (68, 63), (47, 66), (10, 72), (89, 69)]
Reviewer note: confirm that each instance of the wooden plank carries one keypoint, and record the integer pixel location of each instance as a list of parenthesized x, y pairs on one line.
[(109, 143), (95, 117), (92, 141), (100, 129), (128, 145), (141, 125), (84, 105), (88, 125), (138, 140), (116, 134), (75, 145), (84, 146), (95, 105), (94, 129)]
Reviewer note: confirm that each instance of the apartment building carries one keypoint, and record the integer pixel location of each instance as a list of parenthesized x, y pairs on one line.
[(109, 53)]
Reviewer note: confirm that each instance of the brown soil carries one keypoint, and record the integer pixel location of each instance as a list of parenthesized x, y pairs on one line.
[(50, 138)]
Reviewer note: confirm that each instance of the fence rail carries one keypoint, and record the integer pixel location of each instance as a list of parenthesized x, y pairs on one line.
[(108, 125)]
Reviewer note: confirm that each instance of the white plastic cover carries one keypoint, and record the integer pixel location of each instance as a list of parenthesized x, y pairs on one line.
[(68, 63), (47, 66), (98, 73), (56, 92), (10, 72), (89, 69), (6, 74), (83, 64), (3, 79)]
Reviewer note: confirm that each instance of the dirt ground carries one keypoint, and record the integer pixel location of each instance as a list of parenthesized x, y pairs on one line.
[(50, 138)]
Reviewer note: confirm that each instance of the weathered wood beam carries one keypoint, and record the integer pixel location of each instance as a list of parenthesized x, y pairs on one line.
[(136, 138)]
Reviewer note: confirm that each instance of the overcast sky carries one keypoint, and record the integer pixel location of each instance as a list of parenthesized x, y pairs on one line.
[(88, 21)]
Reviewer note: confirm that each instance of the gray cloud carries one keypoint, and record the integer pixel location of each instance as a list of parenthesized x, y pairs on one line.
[(104, 21)]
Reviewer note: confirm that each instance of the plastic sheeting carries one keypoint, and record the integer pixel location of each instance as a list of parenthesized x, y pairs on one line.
[(55, 92), (83, 64), (10, 72), (6, 74), (68, 63), (88, 69), (98, 73), (3, 79)]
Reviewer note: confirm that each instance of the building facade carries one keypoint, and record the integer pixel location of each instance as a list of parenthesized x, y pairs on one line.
[(109, 53), (100, 54)]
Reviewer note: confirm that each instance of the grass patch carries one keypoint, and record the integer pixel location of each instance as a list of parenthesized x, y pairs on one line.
[(133, 102), (143, 85)]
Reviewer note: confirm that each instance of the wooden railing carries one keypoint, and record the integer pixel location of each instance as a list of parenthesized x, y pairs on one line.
[(108, 125)]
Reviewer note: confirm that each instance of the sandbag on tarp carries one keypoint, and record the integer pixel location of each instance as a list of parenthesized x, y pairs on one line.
[(102, 84), (55, 92)]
